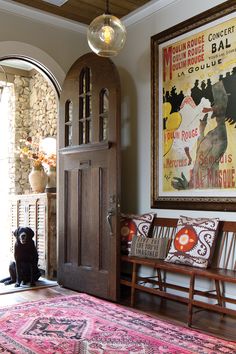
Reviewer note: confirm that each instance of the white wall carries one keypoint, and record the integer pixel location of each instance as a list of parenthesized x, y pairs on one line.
[(135, 72), (134, 67), (58, 48)]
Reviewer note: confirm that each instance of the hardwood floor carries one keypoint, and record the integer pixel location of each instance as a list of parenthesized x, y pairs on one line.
[(208, 322), (222, 326), (33, 295)]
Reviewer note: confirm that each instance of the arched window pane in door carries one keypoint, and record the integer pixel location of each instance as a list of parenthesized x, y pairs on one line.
[(103, 116), (68, 123), (85, 111)]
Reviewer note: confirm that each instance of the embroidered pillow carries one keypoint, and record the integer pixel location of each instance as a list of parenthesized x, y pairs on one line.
[(194, 241), (132, 225), (147, 247)]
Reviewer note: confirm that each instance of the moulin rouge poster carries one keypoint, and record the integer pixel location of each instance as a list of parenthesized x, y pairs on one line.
[(197, 111)]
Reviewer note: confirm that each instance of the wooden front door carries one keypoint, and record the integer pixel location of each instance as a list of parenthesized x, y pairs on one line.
[(89, 178)]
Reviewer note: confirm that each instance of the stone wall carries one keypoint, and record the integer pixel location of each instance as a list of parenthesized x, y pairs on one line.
[(34, 114), (21, 125), (43, 108)]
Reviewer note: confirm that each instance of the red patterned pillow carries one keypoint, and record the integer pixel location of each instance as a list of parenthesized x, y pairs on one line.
[(194, 241), (132, 225)]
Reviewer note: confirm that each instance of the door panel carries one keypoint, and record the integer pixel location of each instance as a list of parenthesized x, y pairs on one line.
[(89, 178)]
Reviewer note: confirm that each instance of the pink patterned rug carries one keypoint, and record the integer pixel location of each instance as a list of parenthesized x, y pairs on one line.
[(83, 324)]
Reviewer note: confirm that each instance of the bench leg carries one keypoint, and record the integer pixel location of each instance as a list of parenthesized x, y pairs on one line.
[(160, 279), (218, 293), (134, 278), (190, 301)]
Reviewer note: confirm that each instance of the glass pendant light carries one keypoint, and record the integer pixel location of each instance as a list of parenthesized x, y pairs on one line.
[(106, 34)]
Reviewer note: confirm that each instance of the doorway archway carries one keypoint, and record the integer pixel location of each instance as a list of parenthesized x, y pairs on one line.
[(40, 61), (35, 56)]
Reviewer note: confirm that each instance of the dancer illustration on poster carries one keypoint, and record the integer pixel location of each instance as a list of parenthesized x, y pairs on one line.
[(210, 147)]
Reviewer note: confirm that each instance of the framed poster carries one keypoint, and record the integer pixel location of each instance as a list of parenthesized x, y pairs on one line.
[(194, 113)]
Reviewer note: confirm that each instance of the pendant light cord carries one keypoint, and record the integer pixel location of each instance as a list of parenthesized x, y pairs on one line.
[(107, 7)]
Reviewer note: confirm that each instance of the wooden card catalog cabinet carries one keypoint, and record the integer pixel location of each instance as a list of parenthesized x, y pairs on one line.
[(38, 211)]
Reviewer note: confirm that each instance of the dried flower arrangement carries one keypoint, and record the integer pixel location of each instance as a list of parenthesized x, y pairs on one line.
[(31, 151)]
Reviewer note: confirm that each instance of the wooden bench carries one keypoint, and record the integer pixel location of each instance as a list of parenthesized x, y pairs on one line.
[(222, 271)]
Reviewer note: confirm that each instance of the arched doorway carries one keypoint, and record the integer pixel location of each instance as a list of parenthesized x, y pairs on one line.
[(28, 74)]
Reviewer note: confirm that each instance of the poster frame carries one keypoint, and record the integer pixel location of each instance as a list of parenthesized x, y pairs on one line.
[(190, 201)]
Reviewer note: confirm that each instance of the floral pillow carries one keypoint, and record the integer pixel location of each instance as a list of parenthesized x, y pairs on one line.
[(131, 225), (194, 241)]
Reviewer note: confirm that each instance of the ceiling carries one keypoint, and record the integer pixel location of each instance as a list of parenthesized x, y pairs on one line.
[(84, 11)]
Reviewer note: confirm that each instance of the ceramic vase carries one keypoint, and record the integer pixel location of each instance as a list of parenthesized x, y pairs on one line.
[(38, 179), (52, 180)]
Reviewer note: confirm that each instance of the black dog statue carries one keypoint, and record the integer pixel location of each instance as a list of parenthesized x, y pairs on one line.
[(25, 268)]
